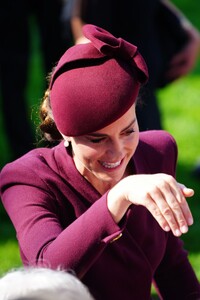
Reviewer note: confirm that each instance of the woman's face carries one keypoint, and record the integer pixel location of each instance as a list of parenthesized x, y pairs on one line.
[(102, 156)]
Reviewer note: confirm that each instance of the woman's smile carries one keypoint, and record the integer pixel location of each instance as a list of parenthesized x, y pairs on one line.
[(111, 165), (102, 156)]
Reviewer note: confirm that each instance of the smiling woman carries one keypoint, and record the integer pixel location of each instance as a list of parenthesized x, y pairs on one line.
[(102, 157), (104, 202)]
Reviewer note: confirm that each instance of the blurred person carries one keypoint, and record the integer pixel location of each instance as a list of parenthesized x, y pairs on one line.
[(42, 284), (104, 201), (168, 41), (15, 55)]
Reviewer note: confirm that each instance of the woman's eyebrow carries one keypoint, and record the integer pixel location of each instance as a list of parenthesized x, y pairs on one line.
[(96, 134)]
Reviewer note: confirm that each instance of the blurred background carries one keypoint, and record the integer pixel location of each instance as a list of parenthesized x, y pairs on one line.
[(180, 108)]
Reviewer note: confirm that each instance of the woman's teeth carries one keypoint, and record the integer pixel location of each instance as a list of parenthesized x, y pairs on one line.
[(111, 165)]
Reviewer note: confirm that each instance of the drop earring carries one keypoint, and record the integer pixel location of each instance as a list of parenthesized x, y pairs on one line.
[(66, 143)]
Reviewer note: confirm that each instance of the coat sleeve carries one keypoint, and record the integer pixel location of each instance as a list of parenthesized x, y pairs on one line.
[(42, 238)]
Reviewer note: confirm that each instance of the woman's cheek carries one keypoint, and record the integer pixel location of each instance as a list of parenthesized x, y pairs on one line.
[(91, 153)]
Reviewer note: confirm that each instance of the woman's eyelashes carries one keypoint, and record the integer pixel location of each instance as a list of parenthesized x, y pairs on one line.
[(129, 131), (101, 139), (96, 140)]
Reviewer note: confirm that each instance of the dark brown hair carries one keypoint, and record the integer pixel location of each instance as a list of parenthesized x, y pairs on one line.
[(47, 126)]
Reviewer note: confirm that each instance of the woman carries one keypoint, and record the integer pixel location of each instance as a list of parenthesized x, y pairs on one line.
[(104, 201)]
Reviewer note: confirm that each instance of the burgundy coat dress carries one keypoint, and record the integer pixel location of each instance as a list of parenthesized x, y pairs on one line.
[(62, 221)]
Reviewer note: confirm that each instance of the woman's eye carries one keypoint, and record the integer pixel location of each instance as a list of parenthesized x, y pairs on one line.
[(130, 131), (96, 141)]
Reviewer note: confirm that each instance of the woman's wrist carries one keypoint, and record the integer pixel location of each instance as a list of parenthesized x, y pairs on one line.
[(117, 203)]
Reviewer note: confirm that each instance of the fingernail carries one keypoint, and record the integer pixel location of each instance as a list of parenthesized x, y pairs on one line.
[(190, 221), (177, 232), (167, 228), (184, 229)]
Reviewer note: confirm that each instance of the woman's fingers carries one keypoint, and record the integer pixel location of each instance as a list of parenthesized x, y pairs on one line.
[(157, 213), (180, 205), (179, 216), (186, 192), (178, 223), (166, 200), (167, 211)]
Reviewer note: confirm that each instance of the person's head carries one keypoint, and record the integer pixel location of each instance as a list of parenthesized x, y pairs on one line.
[(46, 295), (42, 284), (91, 103)]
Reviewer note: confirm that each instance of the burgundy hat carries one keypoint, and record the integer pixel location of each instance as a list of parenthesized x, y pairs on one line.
[(94, 84)]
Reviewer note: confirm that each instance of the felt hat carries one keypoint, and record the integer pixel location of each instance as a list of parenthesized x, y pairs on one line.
[(95, 83)]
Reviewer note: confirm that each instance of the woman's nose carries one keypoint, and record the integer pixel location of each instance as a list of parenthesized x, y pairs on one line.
[(115, 147)]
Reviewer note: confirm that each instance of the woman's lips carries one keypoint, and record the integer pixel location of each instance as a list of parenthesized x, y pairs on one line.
[(111, 165)]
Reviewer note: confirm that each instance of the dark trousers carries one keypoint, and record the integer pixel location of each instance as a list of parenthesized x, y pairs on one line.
[(14, 62)]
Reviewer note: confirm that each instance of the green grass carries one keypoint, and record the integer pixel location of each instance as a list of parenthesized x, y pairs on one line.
[(9, 250), (180, 107)]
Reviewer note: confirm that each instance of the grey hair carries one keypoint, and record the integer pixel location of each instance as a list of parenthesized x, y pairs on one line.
[(42, 284)]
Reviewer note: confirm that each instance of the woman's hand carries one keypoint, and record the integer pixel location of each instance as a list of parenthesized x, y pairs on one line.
[(161, 194)]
